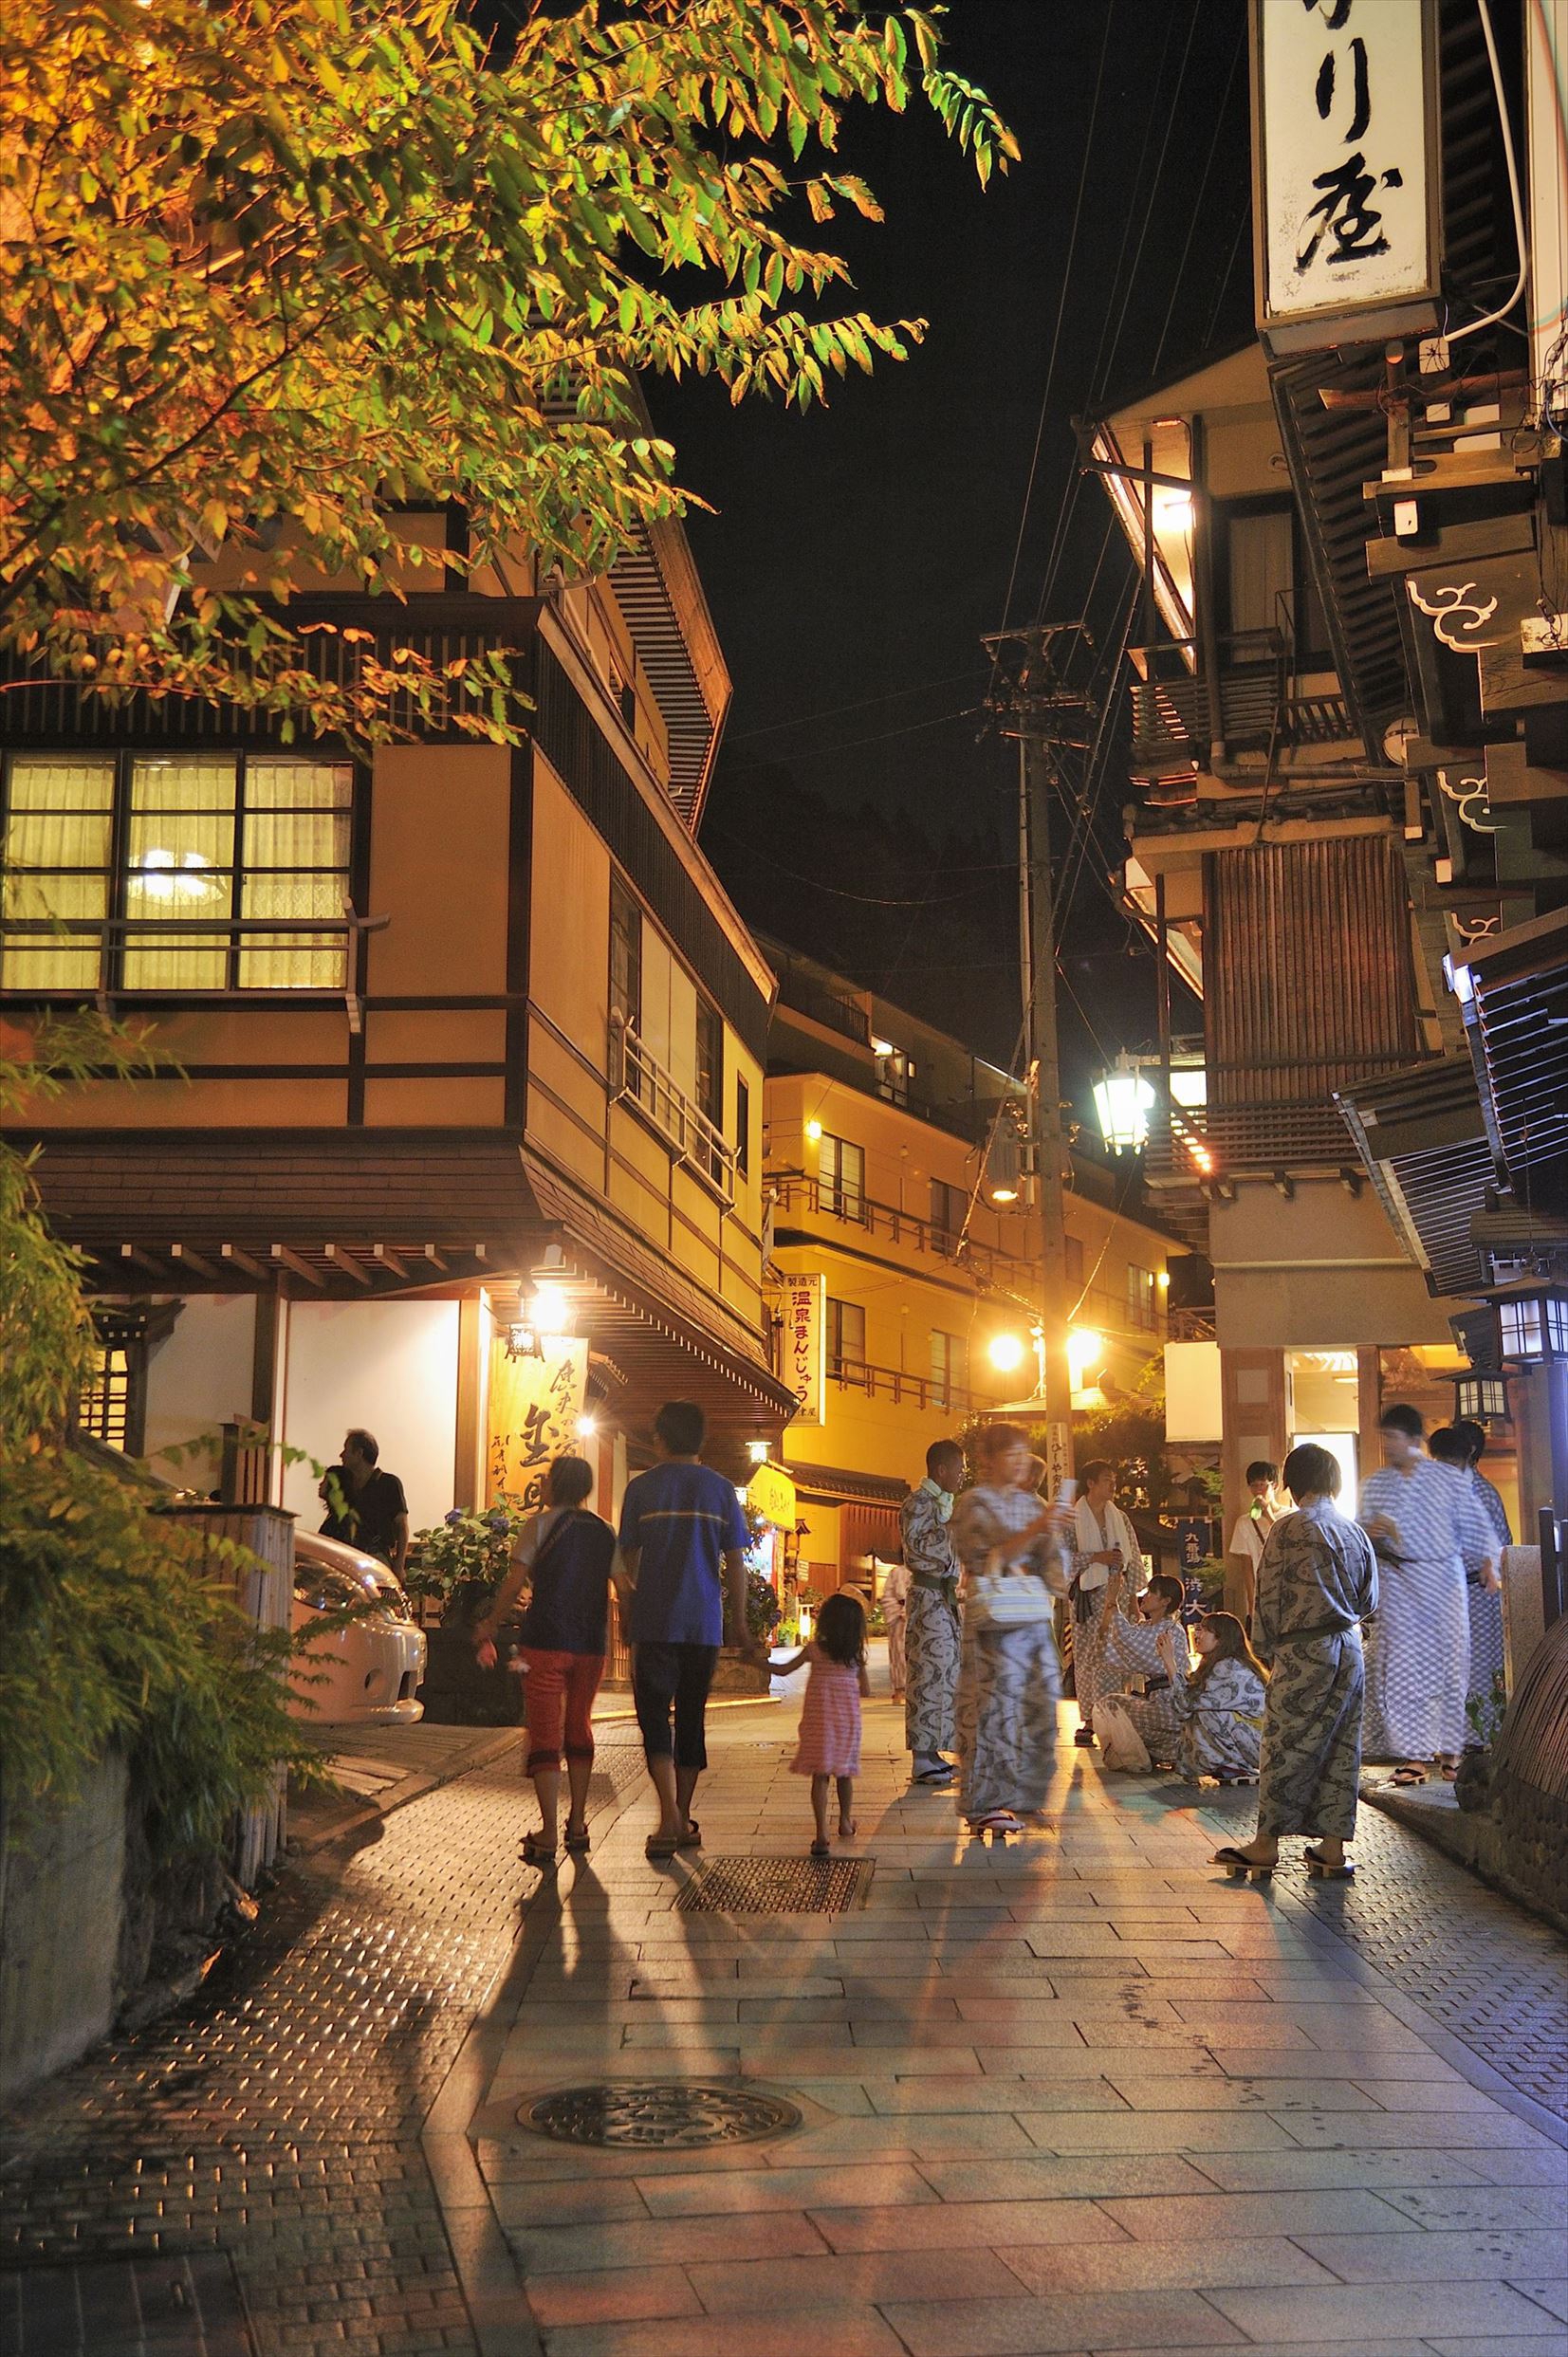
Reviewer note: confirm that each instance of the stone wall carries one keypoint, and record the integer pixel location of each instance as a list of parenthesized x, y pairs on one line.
[(59, 1925)]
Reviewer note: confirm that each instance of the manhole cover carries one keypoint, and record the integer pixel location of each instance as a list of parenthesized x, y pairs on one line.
[(187, 2307), (776, 1887), (674, 2115)]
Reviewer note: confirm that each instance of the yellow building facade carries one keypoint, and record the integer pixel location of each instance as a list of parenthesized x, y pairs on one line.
[(904, 1293)]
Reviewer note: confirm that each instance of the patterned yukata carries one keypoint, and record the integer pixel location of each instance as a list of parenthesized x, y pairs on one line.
[(931, 1634), (1130, 1648), (1485, 1604), (1222, 1722), (895, 1605), (1009, 1682), (1092, 1533), (1418, 1667), (1317, 1583)]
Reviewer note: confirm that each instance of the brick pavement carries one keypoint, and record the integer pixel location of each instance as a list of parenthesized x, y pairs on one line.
[(1075, 2095)]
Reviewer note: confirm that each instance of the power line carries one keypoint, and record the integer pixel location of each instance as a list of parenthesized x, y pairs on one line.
[(889, 695)]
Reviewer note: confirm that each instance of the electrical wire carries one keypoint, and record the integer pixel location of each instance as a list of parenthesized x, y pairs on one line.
[(1473, 327), (890, 695)]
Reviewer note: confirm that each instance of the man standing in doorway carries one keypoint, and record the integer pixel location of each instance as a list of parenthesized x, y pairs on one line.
[(681, 1578), (1103, 1541), (1248, 1539), (365, 1506), (931, 1636)]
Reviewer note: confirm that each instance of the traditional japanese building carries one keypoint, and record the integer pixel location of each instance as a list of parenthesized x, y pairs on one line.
[(1350, 725), (459, 1134), (907, 1271)]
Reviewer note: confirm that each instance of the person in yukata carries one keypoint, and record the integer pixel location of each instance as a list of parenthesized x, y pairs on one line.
[(1220, 1705), (931, 1636), (1484, 1595), (1318, 1582), (1130, 1648), (1427, 1528), (896, 1600), (1102, 1541)]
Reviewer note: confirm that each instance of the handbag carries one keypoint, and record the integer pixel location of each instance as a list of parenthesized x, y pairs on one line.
[(1001, 1598)]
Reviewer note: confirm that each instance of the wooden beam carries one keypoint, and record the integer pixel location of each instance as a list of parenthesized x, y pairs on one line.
[(199, 1260), (350, 1266), (436, 1259), (246, 1260), (143, 1260), (389, 1260), (288, 1259)]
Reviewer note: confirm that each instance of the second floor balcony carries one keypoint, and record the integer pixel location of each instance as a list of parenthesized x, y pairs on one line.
[(638, 1078), (825, 1199), (1184, 717)]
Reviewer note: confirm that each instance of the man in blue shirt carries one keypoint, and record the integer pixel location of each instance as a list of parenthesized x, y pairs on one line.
[(683, 1540)]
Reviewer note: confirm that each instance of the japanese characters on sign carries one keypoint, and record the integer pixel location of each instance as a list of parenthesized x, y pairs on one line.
[(1344, 158), (804, 1344), (536, 1406)]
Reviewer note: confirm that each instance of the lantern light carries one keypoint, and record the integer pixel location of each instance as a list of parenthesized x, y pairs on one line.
[(757, 1451), (814, 1130), (1480, 1396), (586, 1427), (550, 1312), (1007, 1352), (1532, 1321), (1122, 1103)]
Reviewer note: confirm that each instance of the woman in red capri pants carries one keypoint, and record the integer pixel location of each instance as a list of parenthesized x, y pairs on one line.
[(562, 1556)]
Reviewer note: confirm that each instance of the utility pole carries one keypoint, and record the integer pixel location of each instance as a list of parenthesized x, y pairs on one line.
[(1037, 698)]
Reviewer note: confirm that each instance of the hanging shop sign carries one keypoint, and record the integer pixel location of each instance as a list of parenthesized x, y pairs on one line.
[(771, 1493), (805, 1346), (535, 1410), (1346, 184)]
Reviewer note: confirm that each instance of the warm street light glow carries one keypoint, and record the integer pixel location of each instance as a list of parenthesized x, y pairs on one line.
[(814, 1130), (1085, 1348), (1163, 1279), (757, 1451), (550, 1312), (1003, 1195), (1122, 1100), (1006, 1352), (586, 1427)]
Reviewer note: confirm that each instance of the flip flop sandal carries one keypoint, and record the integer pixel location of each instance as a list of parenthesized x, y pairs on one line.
[(535, 1853), (691, 1838), (660, 1846)]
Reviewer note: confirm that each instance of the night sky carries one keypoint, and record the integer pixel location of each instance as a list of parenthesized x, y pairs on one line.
[(858, 552)]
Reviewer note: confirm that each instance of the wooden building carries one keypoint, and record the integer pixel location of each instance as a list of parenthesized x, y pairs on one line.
[(459, 1133)]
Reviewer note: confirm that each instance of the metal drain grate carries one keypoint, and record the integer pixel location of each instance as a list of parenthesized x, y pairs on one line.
[(673, 2115), (777, 1886), (187, 2307)]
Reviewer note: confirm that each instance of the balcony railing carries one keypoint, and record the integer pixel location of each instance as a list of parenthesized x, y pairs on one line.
[(989, 1265), (638, 1078), (932, 1393), (1255, 1139), (186, 956), (1178, 714)]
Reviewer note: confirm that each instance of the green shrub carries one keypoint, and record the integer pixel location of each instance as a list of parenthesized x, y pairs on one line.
[(118, 1635)]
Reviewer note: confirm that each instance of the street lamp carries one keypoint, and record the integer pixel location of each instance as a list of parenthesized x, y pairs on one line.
[(1480, 1396), (1532, 1321), (1123, 1100), (1084, 1351), (1006, 1352)]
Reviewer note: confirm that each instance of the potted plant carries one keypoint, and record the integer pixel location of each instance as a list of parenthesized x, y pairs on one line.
[(452, 1572)]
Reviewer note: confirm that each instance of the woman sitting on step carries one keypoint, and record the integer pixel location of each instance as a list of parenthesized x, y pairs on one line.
[(1221, 1705)]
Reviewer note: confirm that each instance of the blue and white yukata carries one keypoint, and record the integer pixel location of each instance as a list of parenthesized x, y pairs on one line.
[(1418, 1667), (1486, 1657)]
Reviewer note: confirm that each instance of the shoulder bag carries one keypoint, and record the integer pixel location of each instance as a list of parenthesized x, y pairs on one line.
[(1002, 1597)]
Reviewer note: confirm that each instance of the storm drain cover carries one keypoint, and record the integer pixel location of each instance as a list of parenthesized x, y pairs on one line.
[(776, 1887), (187, 2306), (667, 2116)]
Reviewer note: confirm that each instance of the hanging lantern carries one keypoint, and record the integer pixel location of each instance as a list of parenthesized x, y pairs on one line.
[(1123, 1102)]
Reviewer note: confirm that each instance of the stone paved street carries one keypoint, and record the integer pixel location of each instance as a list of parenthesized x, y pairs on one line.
[(1078, 2094)]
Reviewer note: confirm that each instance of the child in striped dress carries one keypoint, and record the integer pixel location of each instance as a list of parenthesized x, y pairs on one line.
[(829, 1749)]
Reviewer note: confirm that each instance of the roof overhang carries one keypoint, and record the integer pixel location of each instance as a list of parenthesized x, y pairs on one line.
[(1519, 1032), (1423, 1140)]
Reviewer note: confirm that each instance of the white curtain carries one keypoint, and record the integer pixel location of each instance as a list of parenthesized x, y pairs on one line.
[(56, 867)]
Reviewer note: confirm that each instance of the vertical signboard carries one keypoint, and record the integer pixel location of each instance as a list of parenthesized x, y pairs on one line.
[(1346, 184), (805, 1346), (535, 1409)]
